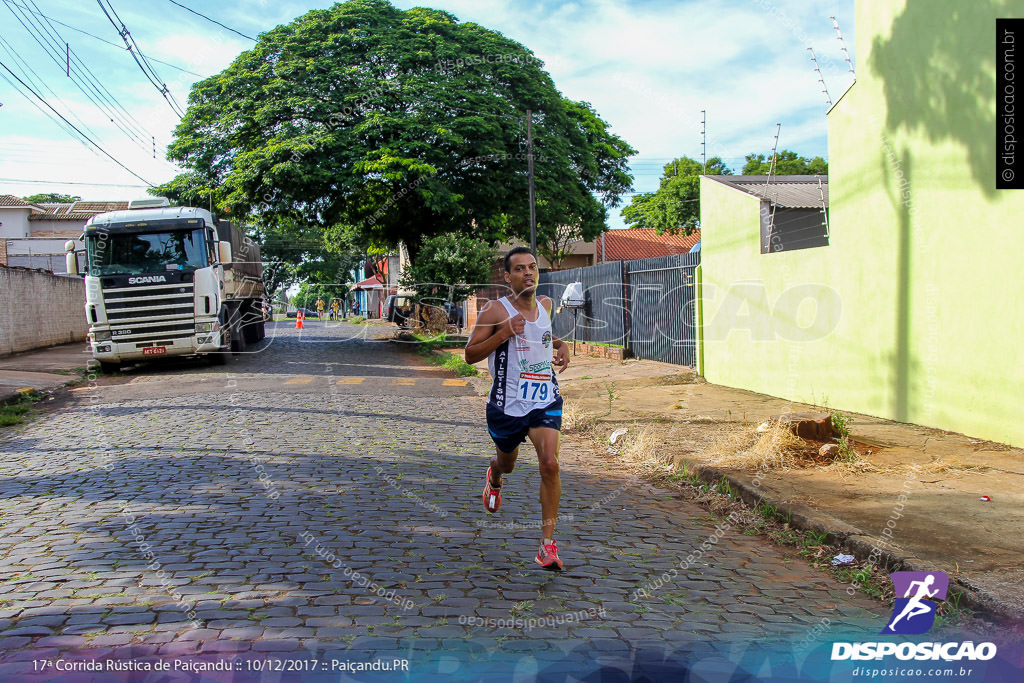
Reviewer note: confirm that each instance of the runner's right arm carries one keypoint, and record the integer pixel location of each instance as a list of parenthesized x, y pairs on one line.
[(492, 328)]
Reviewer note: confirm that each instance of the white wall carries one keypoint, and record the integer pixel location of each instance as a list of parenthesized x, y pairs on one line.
[(15, 222)]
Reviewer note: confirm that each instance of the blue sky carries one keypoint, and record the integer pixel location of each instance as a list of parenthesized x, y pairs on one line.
[(648, 66)]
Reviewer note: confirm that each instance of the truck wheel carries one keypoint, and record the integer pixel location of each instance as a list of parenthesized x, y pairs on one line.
[(109, 368), (237, 338)]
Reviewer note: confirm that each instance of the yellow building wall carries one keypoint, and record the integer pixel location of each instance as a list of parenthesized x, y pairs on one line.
[(924, 261)]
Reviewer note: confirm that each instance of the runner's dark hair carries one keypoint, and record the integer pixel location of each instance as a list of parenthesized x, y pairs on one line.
[(513, 252)]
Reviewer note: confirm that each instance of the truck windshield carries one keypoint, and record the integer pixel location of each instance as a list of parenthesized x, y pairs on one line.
[(151, 252)]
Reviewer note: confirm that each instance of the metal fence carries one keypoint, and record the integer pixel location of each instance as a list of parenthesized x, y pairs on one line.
[(662, 308), (603, 319), (648, 306)]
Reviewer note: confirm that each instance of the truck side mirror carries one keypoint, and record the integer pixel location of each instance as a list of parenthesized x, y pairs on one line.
[(70, 258), (224, 252)]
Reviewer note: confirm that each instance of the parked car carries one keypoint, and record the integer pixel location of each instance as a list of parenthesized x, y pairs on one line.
[(398, 309)]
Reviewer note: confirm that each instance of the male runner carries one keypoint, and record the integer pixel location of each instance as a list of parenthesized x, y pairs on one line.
[(514, 334)]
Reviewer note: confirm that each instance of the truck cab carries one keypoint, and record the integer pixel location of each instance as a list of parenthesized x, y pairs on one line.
[(160, 281)]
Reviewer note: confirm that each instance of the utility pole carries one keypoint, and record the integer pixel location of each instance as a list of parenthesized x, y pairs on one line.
[(529, 168)]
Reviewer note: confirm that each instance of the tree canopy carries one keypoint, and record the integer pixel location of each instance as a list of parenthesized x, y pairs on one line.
[(787, 162), (449, 268), (51, 198), (374, 124), (675, 206)]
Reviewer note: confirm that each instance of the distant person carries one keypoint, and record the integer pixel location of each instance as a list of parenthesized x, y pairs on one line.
[(319, 308)]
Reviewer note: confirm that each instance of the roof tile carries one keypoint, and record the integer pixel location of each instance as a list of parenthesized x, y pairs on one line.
[(639, 243), (10, 201)]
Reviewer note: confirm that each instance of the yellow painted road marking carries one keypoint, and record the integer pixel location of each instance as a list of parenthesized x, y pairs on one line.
[(455, 382), (351, 380), (299, 380), (408, 382)]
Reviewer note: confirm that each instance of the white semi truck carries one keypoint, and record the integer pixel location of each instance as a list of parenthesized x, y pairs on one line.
[(168, 281)]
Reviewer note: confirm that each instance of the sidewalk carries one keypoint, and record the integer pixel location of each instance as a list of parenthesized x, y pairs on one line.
[(39, 369), (922, 487)]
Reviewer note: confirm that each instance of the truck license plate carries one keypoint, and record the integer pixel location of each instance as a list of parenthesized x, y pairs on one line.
[(154, 350)]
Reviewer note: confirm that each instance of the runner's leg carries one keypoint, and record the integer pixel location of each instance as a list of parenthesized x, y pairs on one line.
[(545, 441), (502, 463)]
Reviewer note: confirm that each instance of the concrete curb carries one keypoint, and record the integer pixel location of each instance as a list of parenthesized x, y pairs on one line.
[(856, 541)]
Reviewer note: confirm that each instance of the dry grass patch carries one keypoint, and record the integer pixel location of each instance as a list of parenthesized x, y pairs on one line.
[(775, 448), (575, 418), (644, 449)]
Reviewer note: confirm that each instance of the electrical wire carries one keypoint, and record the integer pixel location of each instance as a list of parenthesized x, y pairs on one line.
[(128, 123), (140, 58), (84, 82), (90, 140), (64, 182), (26, 69), (102, 40), (200, 14)]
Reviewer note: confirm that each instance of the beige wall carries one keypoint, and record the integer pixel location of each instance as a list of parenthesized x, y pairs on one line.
[(39, 309)]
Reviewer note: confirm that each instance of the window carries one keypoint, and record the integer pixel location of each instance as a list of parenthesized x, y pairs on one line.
[(786, 229)]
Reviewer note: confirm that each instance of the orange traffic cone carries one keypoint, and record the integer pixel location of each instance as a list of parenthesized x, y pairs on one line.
[(298, 321)]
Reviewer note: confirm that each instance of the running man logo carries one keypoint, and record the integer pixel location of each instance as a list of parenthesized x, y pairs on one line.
[(913, 613)]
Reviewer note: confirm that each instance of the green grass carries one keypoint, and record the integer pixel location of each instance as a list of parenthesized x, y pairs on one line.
[(356, 319), (20, 409), (448, 361), (521, 609)]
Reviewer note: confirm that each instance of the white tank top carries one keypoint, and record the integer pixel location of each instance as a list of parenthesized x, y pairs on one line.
[(521, 367)]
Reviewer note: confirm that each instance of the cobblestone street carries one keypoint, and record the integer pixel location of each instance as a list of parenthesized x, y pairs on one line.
[(322, 494)]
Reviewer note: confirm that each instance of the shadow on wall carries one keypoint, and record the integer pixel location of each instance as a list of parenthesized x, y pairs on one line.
[(946, 87)]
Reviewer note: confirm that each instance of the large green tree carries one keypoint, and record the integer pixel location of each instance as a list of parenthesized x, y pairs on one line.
[(787, 162), (394, 125), (675, 206)]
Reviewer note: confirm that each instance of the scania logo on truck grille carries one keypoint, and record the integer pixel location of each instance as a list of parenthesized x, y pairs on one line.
[(146, 279)]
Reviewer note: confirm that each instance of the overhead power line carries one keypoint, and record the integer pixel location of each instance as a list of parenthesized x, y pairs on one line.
[(64, 182), (60, 52), (200, 14), (102, 40), (139, 57), (90, 140)]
